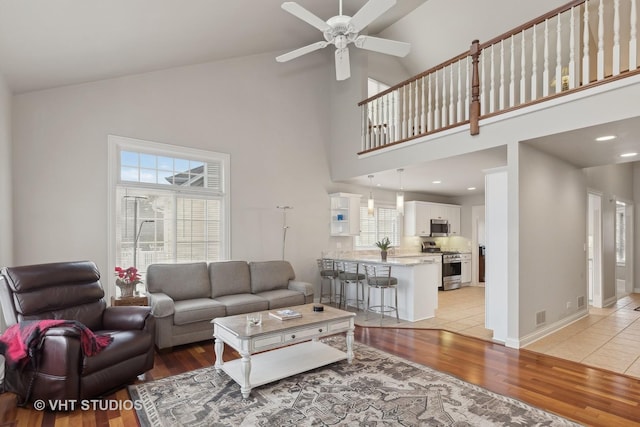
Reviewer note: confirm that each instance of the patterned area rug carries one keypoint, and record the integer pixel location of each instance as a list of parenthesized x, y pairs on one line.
[(377, 389)]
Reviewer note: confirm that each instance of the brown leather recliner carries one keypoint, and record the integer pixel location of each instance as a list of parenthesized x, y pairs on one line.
[(72, 291)]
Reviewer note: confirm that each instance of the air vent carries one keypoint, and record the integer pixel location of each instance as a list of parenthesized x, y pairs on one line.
[(541, 317), (581, 301)]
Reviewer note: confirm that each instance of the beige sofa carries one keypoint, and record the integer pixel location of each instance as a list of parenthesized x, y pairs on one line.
[(186, 297)]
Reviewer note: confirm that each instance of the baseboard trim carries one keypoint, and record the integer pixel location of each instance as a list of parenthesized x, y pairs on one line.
[(547, 330), (609, 301)]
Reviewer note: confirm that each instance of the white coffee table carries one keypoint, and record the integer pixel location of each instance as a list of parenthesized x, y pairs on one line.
[(291, 351)]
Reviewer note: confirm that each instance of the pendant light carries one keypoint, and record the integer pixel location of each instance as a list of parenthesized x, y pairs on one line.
[(400, 196), (370, 203)]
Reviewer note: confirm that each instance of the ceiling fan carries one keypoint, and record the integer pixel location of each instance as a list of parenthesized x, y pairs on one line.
[(341, 30)]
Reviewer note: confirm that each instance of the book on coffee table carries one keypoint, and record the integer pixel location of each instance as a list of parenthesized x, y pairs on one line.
[(285, 314)]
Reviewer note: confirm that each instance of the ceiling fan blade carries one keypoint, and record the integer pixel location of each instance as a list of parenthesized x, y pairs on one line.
[(301, 13), (389, 47), (343, 69), (369, 13), (301, 51)]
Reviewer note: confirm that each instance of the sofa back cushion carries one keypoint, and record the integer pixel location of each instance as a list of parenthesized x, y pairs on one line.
[(229, 278), (179, 281), (270, 275)]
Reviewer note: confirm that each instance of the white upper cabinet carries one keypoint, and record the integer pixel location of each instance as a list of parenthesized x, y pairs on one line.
[(345, 214), (418, 216)]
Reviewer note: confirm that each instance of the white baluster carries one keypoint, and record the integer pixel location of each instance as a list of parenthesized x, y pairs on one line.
[(616, 37), (459, 113), (572, 51), (467, 90), (444, 117), (429, 105), (545, 69), (423, 115), (600, 58), (523, 67), (512, 74), (483, 78), (404, 112), (436, 117), (492, 87), (501, 88), (633, 41), (392, 117), (452, 113), (363, 134), (585, 46), (367, 125), (384, 127), (377, 124), (416, 113), (534, 66), (559, 56)]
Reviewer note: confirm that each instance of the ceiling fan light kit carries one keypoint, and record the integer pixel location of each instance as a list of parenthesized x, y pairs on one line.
[(341, 30)]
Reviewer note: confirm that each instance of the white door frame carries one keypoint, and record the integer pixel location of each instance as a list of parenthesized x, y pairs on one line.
[(594, 266), (628, 266)]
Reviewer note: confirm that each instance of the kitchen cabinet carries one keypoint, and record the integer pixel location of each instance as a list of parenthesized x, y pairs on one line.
[(418, 216), (345, 214), (465, 259)]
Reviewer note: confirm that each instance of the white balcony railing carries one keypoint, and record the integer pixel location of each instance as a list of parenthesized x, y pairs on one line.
[(578, 45)]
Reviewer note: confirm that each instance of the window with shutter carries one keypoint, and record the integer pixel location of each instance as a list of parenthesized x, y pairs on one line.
[(384, 223), (169, 205)]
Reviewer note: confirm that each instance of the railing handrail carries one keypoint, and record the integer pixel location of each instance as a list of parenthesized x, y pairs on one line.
[(539, 20), (516, 69), (416, 77)]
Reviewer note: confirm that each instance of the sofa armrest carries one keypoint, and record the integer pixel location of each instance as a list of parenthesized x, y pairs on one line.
[(125, 318), (304, 287), (162, 305)]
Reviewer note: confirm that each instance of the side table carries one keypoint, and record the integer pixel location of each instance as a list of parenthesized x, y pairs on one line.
[(140, 300)]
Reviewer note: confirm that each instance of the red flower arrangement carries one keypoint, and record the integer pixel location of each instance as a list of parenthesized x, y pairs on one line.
[(126, 280)]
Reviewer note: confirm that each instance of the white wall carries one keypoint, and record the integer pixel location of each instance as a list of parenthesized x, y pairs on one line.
[(272, 120), (613, 181), (636, 213), (552, 233), (6, 201)]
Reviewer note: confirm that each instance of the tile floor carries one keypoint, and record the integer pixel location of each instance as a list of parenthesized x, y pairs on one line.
[(608, 338)]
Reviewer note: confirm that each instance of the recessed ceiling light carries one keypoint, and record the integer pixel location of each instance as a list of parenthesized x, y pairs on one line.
[(628, 154), (436, 182), (471, 188), (605, 138)]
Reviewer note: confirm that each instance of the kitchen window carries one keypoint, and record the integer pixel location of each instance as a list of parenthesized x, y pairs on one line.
[(168, 204), (384, 223)]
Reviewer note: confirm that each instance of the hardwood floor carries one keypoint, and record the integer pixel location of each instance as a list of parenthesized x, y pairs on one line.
[(590, 396)]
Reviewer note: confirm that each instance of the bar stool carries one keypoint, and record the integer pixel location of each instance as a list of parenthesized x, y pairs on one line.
[(328, 271), (350, 273), (379, 277)]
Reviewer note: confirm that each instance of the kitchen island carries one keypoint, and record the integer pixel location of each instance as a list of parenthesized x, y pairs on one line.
[(419, 276)]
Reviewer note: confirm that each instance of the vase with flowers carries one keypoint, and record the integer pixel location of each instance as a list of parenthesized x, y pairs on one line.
[(126, 280)]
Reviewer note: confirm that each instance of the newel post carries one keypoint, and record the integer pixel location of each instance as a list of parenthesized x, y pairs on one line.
[(474, 108)]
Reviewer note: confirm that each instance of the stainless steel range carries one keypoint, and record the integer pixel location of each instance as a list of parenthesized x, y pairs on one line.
[(451, 271)]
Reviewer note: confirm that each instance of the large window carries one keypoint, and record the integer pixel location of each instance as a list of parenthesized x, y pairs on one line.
[(169, 204), (384, 223)]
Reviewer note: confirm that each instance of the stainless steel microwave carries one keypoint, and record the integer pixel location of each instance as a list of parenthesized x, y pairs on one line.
[(439, 228)]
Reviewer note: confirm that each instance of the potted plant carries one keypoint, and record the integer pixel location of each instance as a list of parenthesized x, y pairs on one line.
[(126, 280), (384, 246)]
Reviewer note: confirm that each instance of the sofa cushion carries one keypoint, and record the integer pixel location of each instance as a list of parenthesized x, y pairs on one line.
[(282, 298), (243, 303), (229, 277), (179, 281), (270, 275), (196, 310)]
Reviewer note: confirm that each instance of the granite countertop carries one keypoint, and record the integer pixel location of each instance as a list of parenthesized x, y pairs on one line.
[(397, 260)]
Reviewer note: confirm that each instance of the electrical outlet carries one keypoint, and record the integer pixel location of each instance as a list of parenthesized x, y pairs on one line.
[(569, 305)]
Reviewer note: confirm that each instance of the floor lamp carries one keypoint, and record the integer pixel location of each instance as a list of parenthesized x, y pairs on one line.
[(284, 226)]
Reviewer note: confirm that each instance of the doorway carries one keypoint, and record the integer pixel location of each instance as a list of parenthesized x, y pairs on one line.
[(624, 248), (594, 249)]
